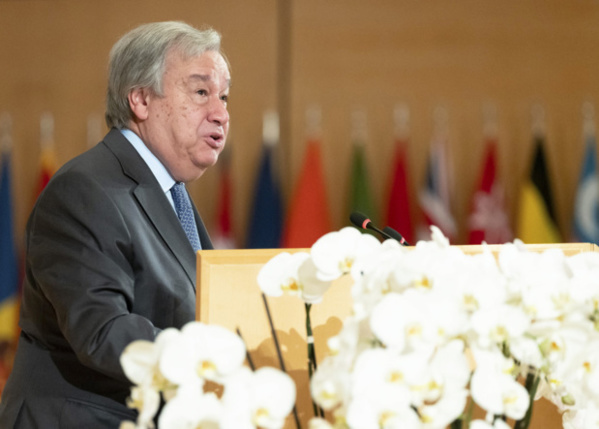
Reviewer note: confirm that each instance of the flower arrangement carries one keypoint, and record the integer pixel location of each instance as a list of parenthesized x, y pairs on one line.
[(198, 371), (434, 331)]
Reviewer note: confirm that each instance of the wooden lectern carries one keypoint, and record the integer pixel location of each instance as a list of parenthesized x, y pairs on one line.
[(228, 295)]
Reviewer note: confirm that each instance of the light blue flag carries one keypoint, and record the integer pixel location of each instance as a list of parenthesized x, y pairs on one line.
[(586, 208)]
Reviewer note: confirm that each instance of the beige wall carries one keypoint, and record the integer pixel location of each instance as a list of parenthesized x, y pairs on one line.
[(340, 54)]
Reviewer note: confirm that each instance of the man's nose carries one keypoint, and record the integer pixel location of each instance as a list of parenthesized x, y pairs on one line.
[(218, 111)]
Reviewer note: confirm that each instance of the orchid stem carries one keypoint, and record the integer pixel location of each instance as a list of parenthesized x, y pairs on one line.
[(312, 366), (273, 332), (531, 384), (247, 352)]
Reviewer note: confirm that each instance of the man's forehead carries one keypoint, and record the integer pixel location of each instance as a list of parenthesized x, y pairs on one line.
[(207, 78), (207, 66)]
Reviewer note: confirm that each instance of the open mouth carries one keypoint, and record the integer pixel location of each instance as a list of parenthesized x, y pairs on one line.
[(216, 139)]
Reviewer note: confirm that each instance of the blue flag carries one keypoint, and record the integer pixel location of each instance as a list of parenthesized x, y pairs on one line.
[(8, 257), (266, 222), (586, 207)]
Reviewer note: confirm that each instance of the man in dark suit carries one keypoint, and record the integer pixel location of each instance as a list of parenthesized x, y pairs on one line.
[(108, 260)]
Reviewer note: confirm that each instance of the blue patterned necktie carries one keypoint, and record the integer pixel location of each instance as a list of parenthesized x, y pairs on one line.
[(185, 214)]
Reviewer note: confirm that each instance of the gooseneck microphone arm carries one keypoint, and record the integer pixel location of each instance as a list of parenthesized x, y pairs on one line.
[(396, 235), (362, 221)]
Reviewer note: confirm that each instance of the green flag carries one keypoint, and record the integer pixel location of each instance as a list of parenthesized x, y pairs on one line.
[(360, 198)]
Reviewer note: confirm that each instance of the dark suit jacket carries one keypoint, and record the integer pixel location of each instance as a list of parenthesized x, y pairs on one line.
[(107, 263)]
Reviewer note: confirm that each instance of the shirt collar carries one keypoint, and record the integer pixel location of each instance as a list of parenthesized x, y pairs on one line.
[(158, 169)]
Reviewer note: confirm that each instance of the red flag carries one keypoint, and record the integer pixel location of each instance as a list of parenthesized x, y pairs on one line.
[(48, 167), (488, 220), (223, 235), (308, 216), (398, 208)]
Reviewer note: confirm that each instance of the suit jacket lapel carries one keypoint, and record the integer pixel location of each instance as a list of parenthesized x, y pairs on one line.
[(150, 196)]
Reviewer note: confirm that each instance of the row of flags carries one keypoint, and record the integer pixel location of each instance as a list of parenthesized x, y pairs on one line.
[(307, 217), (10, 256), (9, 261)]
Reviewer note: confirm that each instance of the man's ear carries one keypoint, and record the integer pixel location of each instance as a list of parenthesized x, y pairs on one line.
[(139, 99)]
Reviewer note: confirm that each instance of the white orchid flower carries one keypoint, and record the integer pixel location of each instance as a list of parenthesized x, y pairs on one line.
[(438, 237), (527, 352), (319, 423), (445, 410), (335, 253), (388, 321), (329, 385), (589, 368), (191, 408), (435, 385), (473, 282), (574, 380), (499, 393), (346, 341), (559, 343), (146, 401), (280, 274), (384, 406), (202, 352), (584, 285), (441, 395), (377, 366), (140, 359), (452, 365), (416, 319), (499, 324), (292, 274), (494, 387), (140, 363), (539, 280), (381, 393), (565, 353), (550, 299), (311, 287), (587, 418), (263, 398), (374, 276)]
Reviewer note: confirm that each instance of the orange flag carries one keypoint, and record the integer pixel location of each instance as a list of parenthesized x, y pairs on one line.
[(308, 216)]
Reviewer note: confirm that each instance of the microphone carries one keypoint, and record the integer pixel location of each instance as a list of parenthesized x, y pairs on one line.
[(362, 221), (396, 235)]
